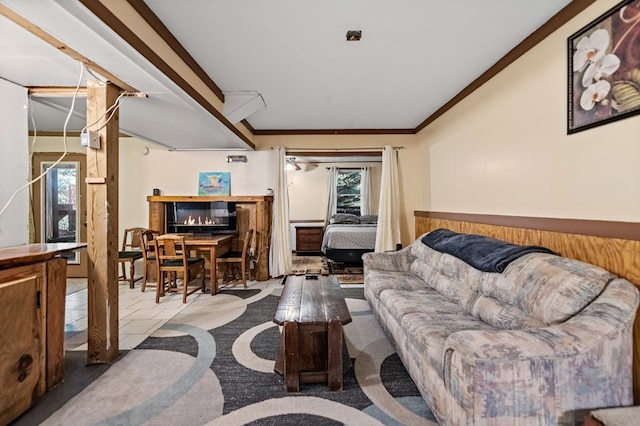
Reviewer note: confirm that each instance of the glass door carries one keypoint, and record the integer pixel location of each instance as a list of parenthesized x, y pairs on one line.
[(61, 218), (61, 203)]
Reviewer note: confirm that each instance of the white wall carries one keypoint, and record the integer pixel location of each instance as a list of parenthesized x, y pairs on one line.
[(505, 149), (176, 173), (14, 165), (173, 172)]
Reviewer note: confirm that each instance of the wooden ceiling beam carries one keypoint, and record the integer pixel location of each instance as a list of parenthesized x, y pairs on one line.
[(69, 91), (57, 91), (64, 48)]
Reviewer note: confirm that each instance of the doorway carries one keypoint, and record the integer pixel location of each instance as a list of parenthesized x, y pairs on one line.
[(60, 214)]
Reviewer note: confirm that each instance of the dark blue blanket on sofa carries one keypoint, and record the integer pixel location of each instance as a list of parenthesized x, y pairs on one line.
[(484, 253)]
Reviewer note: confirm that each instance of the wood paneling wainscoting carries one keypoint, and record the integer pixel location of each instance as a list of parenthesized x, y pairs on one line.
[(614, 246)]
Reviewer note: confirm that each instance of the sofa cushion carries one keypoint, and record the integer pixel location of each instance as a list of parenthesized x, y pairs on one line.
[(452, 278), (548, 287), (502, 315), (378, 281), (536, 289), (427, 319), (480, 251)]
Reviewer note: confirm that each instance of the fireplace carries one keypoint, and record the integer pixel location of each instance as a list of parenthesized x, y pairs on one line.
[(201, 217)]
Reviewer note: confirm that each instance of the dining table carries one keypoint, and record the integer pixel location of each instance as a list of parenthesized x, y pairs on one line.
[(216, 245)]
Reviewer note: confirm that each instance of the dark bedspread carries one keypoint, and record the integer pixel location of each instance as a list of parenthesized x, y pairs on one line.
[(484, 253)]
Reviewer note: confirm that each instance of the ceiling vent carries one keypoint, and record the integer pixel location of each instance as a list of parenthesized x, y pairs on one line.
[(240, 105)]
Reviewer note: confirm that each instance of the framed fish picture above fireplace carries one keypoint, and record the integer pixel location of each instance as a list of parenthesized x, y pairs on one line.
[(214, 183)]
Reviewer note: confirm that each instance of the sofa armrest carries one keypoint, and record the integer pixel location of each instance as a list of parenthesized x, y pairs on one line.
[(392, 261), (584, 360)]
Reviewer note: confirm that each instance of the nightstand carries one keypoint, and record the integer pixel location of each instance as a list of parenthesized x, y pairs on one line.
[(309, 239)]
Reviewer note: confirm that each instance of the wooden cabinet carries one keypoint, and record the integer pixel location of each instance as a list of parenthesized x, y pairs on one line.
[(308, 239), (32, 302), (22, 371)]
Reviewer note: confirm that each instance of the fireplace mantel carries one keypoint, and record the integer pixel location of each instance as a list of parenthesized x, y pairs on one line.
[(238, 199), (253, 211)]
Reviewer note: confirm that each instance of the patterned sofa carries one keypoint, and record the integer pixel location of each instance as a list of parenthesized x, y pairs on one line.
[(535, 344)]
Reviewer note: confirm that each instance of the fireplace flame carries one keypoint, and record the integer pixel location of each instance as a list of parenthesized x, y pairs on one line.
[(193, 221)]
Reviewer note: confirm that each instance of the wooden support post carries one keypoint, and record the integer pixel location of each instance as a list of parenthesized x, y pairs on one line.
[(102, 226), (56, 289)]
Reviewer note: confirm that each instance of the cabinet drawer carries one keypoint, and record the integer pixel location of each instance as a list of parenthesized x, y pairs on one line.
[(309, 231), (309, 238)]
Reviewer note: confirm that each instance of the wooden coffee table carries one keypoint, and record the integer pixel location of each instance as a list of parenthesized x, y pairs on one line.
[(312, 311)]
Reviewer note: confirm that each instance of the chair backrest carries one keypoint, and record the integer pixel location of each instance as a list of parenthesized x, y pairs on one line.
[(248, 239), (147, 236), (132, 239), (170, 247)]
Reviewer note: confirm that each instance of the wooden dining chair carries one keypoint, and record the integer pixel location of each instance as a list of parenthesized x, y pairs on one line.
[(130, 252), (240, 259), (172, 261), (148, 257)]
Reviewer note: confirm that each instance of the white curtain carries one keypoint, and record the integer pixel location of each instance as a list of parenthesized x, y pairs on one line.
[(388, 231), (280, 262), (332, 202), (365, 192)]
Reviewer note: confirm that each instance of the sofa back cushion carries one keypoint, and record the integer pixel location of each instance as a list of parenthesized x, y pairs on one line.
[(548, 287), (452, 278), (535, 290)]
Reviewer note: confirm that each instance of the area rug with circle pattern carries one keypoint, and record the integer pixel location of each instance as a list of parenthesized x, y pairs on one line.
[(212, 364)]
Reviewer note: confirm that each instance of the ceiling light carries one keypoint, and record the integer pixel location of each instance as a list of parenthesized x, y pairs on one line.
[(236, 158), (292, 164), (354, 35)]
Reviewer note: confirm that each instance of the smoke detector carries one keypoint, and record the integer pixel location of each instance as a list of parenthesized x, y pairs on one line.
[(354, 35)]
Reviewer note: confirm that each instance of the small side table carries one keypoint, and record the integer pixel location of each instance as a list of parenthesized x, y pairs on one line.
[(309, 239)]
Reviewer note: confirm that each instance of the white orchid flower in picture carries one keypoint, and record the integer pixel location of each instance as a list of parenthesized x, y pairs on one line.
[(604, 75), (595, 93), (591, 54)]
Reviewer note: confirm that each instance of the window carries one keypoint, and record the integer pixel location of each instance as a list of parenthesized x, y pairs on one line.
[(59, 198), (348, 191)]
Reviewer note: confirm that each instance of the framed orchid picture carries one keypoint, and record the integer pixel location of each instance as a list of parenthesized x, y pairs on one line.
[(604, 68)]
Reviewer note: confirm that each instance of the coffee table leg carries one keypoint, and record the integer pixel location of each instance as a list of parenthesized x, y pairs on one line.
[(291, 357), (334, 347)]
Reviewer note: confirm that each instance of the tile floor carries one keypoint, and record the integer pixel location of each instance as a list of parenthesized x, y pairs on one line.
[(140, 315)]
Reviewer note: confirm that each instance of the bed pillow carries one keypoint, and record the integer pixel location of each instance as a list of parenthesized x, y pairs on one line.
[(369, 219), (344, 218)]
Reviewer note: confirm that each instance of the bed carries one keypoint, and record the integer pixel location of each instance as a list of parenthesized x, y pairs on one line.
[(347, 237)]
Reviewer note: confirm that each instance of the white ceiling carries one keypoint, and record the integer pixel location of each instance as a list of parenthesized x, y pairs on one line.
[(414, 56)]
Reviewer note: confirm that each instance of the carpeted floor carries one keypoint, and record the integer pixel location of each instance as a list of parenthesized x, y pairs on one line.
[(213, 364)]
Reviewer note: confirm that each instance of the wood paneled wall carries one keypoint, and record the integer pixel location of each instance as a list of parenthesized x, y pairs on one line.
[(618, 255)]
